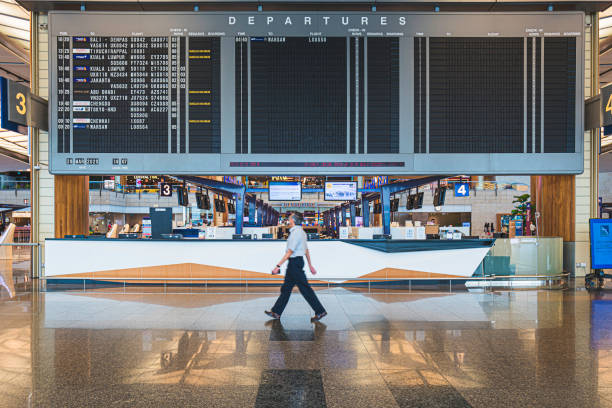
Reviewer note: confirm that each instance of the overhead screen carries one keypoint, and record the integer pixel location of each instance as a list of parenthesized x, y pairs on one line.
[(284, 191), (316, 93), (340, 191)]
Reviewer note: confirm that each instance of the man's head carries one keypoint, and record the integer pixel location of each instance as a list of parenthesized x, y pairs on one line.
[(295, 219)]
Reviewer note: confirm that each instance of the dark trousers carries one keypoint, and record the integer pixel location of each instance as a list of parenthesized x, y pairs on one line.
[(295, 276)]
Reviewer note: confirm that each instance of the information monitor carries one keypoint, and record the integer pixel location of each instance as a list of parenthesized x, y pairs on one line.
[(340, 191), (284, 191)]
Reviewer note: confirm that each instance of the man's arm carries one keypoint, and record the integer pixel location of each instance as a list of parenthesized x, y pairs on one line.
[(287, 255), (312, 269)]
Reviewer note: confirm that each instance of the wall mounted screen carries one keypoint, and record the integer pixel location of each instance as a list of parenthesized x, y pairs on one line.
[(316, 93), (284, 191), (340, 191)]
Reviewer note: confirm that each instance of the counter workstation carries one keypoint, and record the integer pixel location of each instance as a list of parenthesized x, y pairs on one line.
[(105, 259)]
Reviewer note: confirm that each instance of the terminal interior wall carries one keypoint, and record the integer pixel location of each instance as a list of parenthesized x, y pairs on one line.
[(47, 185)]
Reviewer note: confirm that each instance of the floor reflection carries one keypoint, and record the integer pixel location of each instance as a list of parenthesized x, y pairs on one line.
[(14, 275), (525, 348)]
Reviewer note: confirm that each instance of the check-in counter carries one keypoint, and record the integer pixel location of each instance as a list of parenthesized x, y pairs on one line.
[(227, 233), (108, 259)]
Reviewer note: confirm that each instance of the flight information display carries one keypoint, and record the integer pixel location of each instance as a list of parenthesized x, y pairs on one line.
[(284, 191), (315, 93), (340, 190)]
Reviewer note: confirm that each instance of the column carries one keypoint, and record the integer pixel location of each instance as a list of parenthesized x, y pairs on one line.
[(71, 205)]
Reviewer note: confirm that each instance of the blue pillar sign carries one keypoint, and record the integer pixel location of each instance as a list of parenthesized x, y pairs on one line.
[(462, 190)]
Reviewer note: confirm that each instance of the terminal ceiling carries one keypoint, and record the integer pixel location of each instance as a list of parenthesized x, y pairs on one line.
[(15, 29)]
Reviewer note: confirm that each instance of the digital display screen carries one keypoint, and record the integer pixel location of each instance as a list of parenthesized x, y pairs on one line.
[(314, 92), (127, 94), (601, 243), (340, 190), (284, 191)]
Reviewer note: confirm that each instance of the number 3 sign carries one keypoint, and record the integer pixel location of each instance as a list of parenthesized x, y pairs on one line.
[(165, 190)]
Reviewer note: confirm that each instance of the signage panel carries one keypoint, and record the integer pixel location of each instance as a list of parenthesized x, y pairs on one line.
[(165, 190), (601, 243), (18, 107), (606, 105), (462, 189)]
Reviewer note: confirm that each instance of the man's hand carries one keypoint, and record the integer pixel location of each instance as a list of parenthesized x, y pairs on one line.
[(276, 271), (313, 270)]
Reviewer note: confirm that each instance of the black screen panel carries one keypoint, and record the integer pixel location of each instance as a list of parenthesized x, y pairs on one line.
[(476, 95), (559, 95), (538, 95), (242, 94), (383, 95), (357, 96), (298, 95), (204, 95), (420, 92)]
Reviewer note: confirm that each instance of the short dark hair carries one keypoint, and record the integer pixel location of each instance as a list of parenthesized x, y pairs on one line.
[(297, 217)]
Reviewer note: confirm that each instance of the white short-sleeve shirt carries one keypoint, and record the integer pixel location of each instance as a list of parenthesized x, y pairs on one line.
[(297, 241)]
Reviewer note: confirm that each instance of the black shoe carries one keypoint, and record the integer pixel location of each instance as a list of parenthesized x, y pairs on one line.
[(318, 317), (272, 314)]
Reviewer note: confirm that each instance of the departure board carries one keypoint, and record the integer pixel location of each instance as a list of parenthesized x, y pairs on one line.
[(315, 93)]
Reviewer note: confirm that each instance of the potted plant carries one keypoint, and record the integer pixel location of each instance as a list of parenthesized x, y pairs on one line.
[(521, 209)]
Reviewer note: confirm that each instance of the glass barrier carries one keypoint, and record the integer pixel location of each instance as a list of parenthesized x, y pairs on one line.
[(522, 256)]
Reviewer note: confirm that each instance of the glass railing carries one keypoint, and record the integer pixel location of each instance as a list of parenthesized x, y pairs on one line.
[(524, 256), (15, 185)]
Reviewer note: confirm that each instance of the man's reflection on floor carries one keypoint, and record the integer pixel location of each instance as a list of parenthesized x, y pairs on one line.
[(188, 347), (279, 333)]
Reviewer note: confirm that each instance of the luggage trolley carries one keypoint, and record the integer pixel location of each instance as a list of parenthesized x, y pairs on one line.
[(600, 232)]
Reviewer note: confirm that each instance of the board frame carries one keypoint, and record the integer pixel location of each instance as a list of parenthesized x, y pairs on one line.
[(406, 162)]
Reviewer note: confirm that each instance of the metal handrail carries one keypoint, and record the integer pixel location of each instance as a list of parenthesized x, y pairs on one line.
[(279, 278), (30, 244)]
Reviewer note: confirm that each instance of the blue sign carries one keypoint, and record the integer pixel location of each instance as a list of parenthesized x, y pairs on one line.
[(601, 243), (462, 190), (5, 123)]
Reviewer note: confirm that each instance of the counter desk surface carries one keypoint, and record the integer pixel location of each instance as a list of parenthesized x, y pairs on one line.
[(200, 259)]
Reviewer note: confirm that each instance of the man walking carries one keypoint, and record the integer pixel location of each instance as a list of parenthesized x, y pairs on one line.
[(296, 250)]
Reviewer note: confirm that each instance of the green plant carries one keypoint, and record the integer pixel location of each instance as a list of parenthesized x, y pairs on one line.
[(520, 205)]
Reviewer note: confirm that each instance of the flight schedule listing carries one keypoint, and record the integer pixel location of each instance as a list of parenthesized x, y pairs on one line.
[(129, 94)]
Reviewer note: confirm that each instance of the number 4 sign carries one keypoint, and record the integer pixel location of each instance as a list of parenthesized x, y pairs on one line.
[(462, 190)]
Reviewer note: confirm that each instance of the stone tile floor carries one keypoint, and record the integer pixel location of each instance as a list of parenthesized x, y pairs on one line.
[(536, 348)]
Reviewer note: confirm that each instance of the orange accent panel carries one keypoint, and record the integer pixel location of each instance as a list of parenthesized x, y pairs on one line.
[(185, 270), (395, 273), (405, 273), (197, 271)]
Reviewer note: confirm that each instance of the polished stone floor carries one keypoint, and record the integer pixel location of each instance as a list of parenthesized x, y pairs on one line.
[(104, 348)]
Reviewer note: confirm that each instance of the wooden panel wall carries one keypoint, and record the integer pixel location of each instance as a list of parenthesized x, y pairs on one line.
[(71, 205), (554, 198)]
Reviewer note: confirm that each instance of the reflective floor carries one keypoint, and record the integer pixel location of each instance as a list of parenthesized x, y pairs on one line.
[(427, 349)]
